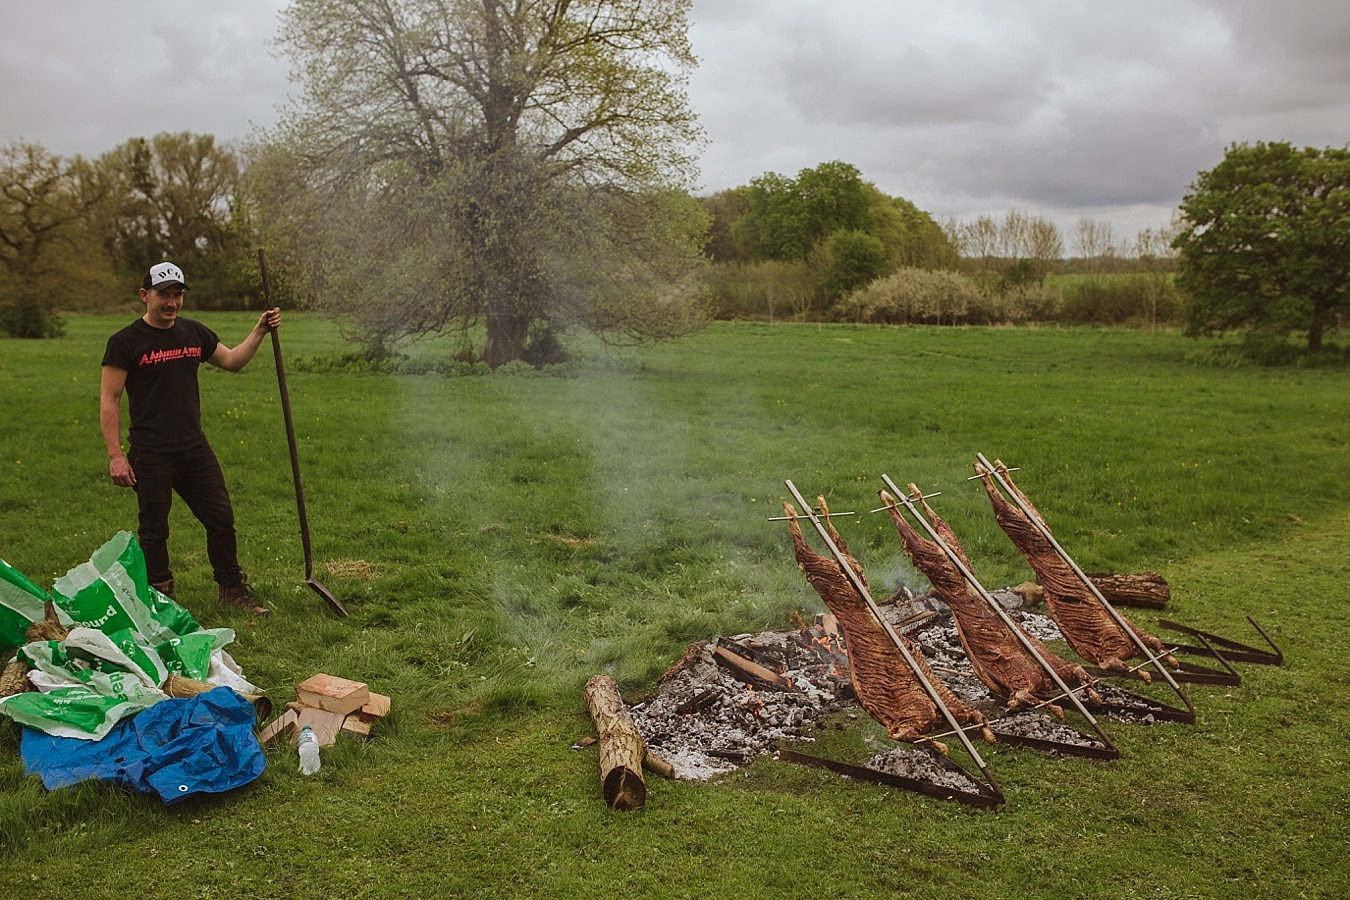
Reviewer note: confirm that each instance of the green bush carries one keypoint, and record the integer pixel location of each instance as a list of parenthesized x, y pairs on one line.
[(29, 316), (762, 290), (1120, 299), (852, 259)]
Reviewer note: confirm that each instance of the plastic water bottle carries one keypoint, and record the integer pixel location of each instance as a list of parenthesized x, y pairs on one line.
[(309, 751)]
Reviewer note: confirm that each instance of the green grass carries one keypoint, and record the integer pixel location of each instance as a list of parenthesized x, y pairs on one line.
[(527, 531)]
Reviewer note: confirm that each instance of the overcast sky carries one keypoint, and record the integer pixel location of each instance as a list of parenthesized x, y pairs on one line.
[(1063, 109)]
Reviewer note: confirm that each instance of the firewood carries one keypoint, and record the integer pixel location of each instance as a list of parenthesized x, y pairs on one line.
[(326, 724), (334, 694), (621, 747), (282, 725), (377, 707), (750, 669), (1148, 589), (655, 762)]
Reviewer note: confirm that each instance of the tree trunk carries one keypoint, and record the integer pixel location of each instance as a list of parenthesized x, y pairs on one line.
[(1316, 328), (506, 335), (621, 747)]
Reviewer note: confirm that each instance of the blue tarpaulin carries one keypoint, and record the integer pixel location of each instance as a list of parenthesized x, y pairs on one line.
[(176, 748)]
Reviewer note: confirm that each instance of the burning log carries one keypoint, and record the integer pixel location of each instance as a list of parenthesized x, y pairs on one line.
[(621, 749), (750, 669), (1145, 589)]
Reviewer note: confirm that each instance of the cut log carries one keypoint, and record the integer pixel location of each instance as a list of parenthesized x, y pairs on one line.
[(326, 724), (355, 725), (621, 747), (377, 707), (281, 726), (657, 763), (1147, 589)]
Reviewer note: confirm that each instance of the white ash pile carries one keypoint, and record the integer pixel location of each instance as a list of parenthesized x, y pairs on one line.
[(708, 717), (1042, 727), (730, 700), (923, 765)]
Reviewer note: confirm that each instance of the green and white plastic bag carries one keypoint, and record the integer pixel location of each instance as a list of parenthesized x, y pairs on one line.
[(126, 639), (21, 604)]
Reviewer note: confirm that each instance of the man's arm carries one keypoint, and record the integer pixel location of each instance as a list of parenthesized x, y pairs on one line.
[(110, 420), (232, 359)]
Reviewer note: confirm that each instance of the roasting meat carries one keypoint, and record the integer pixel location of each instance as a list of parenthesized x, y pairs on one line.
[(1000, 660), (885, 684), (1090, 630)]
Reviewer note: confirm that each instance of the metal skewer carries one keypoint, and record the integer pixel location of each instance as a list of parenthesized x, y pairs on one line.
[(998, 610), (895, 638), (827, 515), (1036, 520), (893, 506)]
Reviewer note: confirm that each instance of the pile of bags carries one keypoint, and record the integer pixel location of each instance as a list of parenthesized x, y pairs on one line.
[(125, 639)]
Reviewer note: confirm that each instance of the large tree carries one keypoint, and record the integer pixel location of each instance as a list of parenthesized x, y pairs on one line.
[(1265, 242), (46, 203), (173, 196), (512, 162)]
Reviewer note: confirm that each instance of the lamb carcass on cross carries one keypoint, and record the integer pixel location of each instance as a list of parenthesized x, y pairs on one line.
[(885, 684), (1085, 623), (1000, 660)]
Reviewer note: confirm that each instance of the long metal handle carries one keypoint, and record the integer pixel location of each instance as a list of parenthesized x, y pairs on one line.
[(993, 604), (890, 632), (1037, 521), (290, 424)]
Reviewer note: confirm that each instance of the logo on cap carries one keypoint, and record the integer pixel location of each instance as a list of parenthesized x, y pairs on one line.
[(165, 273)]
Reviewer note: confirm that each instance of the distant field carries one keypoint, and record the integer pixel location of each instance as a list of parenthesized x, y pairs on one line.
[(499, 539)]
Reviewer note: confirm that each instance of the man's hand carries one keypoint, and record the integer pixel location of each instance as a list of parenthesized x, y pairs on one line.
[(120, 471), (270, 318)]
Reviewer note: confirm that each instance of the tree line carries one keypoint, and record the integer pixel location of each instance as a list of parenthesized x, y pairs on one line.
[(507, 171)]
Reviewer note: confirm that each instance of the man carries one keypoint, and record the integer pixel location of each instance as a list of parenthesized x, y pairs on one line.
[(155, 360)]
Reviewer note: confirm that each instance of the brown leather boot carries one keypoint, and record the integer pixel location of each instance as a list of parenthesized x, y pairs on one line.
[(241, 595), (164, 587)]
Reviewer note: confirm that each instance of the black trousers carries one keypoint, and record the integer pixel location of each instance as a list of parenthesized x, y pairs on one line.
[(195, 475)]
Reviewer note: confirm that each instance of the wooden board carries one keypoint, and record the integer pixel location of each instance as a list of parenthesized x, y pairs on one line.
[(331, 693), (278, 727), (326, 724), (377, 707), (355, 726)]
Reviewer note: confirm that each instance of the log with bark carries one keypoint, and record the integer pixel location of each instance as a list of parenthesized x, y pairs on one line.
[(14, 678), (1144, 589), (621, 748)]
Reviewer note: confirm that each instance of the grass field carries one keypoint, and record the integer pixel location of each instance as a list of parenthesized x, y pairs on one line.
[(499, 539)]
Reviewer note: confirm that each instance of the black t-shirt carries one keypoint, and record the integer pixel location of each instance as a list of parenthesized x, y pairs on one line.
[(161, 366)]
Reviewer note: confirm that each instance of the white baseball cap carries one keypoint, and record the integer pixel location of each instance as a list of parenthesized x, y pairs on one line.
[(162, 274)]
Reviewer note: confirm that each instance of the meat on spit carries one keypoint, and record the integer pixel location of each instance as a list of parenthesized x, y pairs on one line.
[(1085, 623), (882, 680), (1000, 660)]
